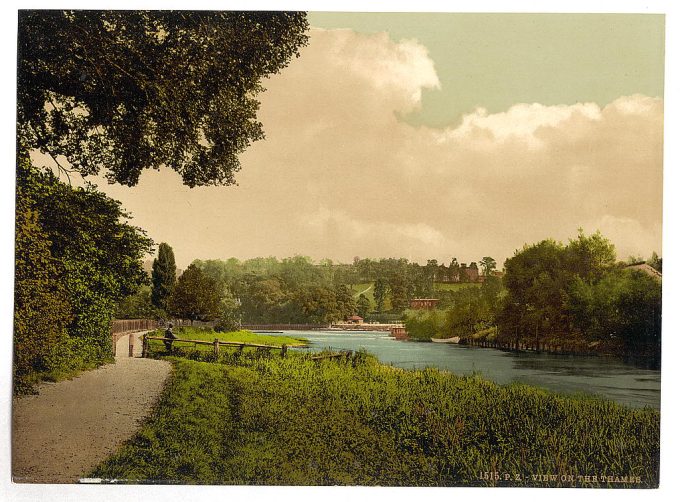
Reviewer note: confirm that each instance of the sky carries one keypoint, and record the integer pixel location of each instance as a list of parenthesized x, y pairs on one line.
[(438, 135)]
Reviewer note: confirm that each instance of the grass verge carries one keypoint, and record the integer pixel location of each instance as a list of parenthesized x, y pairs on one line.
[(207, 334), (293, 421)]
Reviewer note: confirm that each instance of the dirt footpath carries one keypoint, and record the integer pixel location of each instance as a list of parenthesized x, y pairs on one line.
[(71, 426)]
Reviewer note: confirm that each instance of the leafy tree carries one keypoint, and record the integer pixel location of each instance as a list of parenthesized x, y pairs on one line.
[(488, 265), (41, 307), (380, 294), (590, 257), (138, 306), (131, 90), (363, 305), (398, 293), (163, 276), (576, 291), (422, 325), (319, 305), (263, 299), (96, 260), (432, 268), (345, 304), (229, 318), (462, 273), (195, 296)]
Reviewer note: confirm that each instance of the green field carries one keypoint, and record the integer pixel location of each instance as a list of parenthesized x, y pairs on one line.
[(293, 421), (207, 334), (367, 289)]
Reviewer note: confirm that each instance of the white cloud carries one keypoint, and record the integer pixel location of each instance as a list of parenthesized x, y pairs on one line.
[(521, 121), (340, 175)]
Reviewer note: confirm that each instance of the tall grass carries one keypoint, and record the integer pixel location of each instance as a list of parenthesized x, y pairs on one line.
[(294, 421)]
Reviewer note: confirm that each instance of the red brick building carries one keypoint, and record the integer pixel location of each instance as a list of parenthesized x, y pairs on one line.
[(424, 303)]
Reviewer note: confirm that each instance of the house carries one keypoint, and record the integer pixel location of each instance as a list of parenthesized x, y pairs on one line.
[(423, 303), (355, 319)]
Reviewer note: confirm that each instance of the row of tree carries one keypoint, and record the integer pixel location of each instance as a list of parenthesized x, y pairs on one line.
[(291, 290), (296, 293), (557, 294)]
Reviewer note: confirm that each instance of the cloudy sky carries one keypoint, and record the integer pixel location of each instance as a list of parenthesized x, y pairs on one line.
[(438, 135)]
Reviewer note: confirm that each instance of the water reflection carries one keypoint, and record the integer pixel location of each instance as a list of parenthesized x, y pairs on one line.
[(607, 377)]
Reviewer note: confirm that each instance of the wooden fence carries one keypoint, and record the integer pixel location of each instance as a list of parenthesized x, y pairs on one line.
[(216, 343), (564, 348), (123, 327)]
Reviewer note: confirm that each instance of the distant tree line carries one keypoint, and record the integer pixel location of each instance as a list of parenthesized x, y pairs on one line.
[(557, 294), (290, 290)]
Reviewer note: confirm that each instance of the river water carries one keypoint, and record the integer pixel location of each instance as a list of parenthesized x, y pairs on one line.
[(610, 378)]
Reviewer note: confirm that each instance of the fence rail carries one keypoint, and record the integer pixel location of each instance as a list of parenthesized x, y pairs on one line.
[(215, 343)]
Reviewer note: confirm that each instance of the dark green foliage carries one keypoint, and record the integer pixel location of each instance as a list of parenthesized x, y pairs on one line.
[(577, 292), (229, 318), (41, 307), (293, 421), (163, 276), (422, 325), (132, 90), (379, 293), (297, 290), (96, 260), (363, 305), (139, 306), (196, 296), (460, 313)]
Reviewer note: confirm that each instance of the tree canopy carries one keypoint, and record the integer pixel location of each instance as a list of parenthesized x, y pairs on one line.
[(163, 276), (126, 91), (196, 296), (76, 258)]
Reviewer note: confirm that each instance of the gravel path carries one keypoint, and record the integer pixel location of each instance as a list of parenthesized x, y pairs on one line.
[(71, 426)]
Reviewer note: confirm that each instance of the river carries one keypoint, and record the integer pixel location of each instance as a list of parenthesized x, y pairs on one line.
[(607, 377)]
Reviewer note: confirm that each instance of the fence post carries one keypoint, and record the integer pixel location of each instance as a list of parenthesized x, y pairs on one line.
[(216, 347), (284, 349), (131, 344), (145, 345)]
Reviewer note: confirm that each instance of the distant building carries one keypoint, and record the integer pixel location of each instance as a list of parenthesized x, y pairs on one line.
[(399, 332), (423, 303), (355, 319), (472, 274)]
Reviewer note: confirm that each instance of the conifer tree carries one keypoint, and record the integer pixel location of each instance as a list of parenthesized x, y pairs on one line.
[(163, 276)]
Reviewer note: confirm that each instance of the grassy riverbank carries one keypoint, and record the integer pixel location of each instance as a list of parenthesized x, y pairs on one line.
[(207, 334), (272, 420)]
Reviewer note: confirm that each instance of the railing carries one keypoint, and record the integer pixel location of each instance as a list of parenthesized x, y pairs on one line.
[(215, 343), (123, 327)]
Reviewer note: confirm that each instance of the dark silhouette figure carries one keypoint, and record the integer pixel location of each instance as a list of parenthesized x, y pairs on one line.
[(169, 334)]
